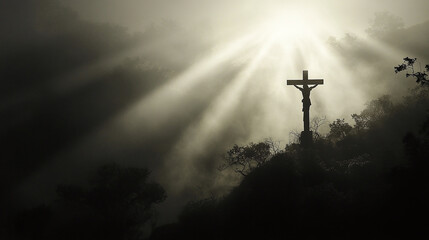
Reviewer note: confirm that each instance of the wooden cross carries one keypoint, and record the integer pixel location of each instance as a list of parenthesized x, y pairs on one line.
[(306, 135)]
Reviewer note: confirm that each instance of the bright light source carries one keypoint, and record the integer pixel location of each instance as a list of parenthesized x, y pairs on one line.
[(292, 25)]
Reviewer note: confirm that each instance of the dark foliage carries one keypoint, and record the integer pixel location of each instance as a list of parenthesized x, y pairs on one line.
[(408, 65), (117, 205), (361, 181), (244, 159), (339, 129), (400, 67)]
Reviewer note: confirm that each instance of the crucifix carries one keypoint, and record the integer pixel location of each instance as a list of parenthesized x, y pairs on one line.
[(306, 135)]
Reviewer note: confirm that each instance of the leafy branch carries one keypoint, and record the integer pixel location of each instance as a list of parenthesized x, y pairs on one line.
[(408, 65)]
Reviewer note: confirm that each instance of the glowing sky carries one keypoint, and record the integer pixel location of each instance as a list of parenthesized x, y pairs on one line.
[(288, 36), (349, 14)]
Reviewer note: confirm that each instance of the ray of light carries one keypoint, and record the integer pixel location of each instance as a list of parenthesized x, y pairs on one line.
[(286, 100), (156, 108), (200, 134), (85, 74), (272, 119), (315, 56), (339, 86), (288, 107), (147, 114)]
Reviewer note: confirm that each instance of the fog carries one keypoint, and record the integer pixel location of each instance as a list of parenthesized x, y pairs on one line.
[(171, 85)]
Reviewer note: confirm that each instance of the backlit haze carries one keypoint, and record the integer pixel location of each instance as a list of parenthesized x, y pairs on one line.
[(225, 66)]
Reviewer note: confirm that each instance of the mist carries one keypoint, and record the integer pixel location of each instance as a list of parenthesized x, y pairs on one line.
[(172, 85)]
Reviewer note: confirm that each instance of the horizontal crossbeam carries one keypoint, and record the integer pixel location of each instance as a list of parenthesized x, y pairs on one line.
[(302, 82)]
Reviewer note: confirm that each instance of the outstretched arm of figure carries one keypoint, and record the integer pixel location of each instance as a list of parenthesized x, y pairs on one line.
[(313, 86), (298, 87)]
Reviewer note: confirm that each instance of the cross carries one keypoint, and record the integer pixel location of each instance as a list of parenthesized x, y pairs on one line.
[(306, 136)]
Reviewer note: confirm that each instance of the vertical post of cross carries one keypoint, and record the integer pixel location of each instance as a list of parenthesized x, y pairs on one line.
[(306, 137), (306, 102)]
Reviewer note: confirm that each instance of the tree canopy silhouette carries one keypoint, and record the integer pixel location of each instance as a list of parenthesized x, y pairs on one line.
[(117, 204), (365, 180), (244, 159)]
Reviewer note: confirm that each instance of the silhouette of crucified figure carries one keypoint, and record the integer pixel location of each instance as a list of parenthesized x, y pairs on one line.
[(305, 90), (306, 135)]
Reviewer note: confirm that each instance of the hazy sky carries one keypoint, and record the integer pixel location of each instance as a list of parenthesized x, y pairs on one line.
[(352, 15), (209, 74)]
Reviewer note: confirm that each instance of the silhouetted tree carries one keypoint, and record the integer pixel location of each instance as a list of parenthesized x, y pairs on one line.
[(244, 159), (375, 110), (316, 123), (339, 130), (364, 181), (118, 204)]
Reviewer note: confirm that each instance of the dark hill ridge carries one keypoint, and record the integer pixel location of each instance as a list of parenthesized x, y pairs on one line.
[(370, 183)]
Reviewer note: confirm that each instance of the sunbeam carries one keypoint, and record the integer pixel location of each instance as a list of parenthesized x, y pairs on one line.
[(158, 106), (209, 127), (155, 110)]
